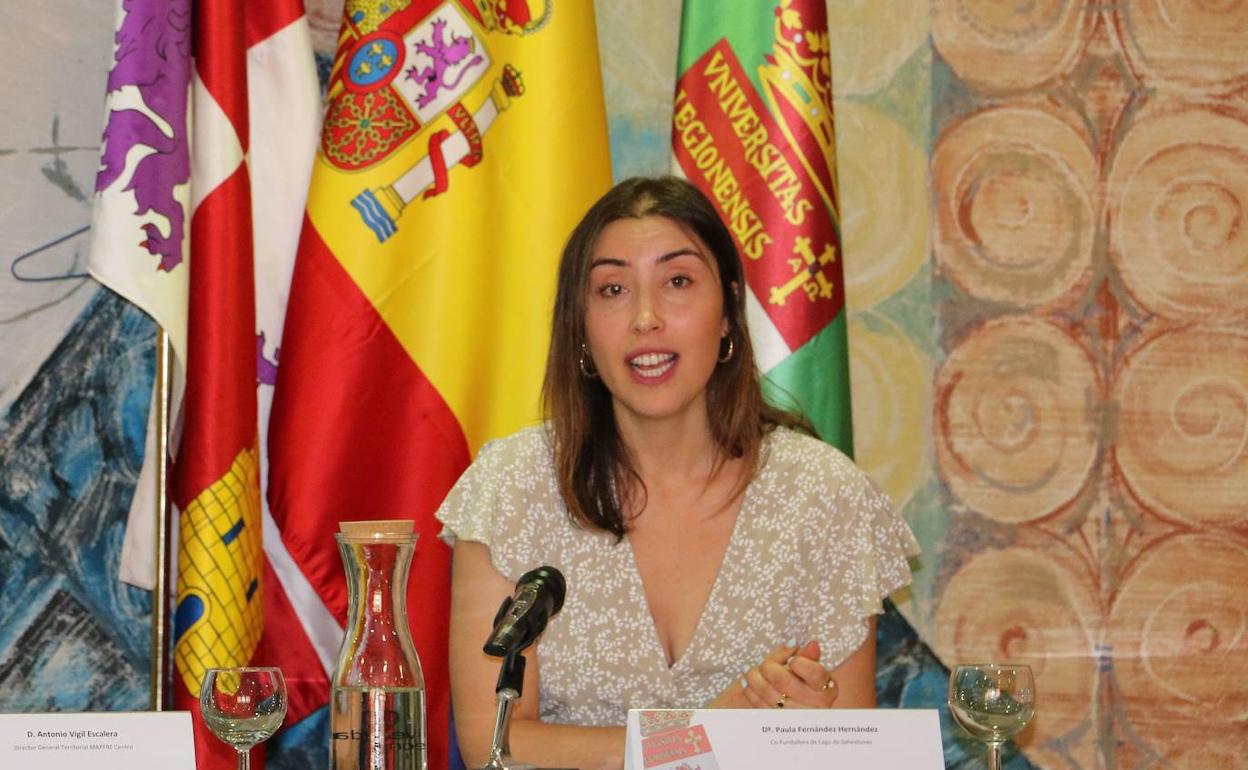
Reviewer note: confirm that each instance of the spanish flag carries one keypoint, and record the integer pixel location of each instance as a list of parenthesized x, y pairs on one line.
[(462, 141)]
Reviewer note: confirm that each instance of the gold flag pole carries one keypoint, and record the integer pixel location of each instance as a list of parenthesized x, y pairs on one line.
[(160, 591)]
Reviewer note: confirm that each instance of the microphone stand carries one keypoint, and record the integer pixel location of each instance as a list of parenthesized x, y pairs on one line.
[(510, 685), (517, 624)]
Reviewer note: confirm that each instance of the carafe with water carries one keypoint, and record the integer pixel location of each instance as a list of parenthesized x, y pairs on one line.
[(377, 711)]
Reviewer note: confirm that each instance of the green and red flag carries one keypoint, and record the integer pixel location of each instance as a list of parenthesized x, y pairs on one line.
[(752, 128)]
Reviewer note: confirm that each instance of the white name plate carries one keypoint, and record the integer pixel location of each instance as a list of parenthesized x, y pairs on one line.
[(100, 741), (795, 739)]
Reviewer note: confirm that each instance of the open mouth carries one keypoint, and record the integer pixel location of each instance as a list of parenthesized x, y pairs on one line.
[(652, 365)]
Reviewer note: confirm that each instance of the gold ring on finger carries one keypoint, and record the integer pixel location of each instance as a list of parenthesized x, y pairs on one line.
[(780, 703)]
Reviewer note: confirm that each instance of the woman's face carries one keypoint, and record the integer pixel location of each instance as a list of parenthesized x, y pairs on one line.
[(654, 318)]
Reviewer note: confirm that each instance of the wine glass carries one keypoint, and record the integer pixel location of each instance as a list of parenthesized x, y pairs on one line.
[(243, 706), (992, 702)]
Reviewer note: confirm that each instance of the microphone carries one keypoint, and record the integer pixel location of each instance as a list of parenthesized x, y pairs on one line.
[(523, 617)]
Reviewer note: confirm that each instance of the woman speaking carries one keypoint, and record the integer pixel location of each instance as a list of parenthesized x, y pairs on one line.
[(716, 553)]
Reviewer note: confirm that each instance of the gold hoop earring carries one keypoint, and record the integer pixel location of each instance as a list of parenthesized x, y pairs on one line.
[(726, 356), (586, 364)]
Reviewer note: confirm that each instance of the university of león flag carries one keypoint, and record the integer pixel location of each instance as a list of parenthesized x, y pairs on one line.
[(753, 129), (462, 141)]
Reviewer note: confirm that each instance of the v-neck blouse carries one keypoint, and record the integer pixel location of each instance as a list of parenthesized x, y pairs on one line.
[(815, 549)]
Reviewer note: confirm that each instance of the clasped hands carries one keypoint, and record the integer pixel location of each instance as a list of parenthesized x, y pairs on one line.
[(789, 677)]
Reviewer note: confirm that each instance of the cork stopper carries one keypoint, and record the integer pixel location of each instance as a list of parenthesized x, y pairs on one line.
[(381, 529)]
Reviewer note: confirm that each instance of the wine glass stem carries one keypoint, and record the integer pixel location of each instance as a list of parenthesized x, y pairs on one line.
[(994, 756), (244, 759)]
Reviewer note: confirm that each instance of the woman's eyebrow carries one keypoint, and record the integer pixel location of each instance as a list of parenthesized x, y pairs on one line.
[(668, 257)]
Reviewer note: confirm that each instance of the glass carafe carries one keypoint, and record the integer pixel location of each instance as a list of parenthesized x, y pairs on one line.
[(377, 711)]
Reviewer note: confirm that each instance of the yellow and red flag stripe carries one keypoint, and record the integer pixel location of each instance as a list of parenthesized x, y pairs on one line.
[(462, 141)]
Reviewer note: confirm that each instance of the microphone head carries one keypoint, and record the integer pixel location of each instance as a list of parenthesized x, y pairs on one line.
[(520, 620), (552, 580)]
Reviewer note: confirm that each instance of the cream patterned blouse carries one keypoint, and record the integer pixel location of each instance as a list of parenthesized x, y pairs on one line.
[(815, 549)]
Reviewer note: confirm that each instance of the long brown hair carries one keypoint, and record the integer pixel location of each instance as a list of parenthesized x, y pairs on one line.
[(597, 478)]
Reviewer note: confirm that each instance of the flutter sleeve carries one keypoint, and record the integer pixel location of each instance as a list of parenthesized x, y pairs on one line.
[(492, 499), (858, 554)]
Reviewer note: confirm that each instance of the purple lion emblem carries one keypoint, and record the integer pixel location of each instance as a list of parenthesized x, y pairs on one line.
[(445, 55), (266, 369), (153, 55)]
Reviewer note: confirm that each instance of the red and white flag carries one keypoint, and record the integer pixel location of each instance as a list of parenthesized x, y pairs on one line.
[(199, 203)]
